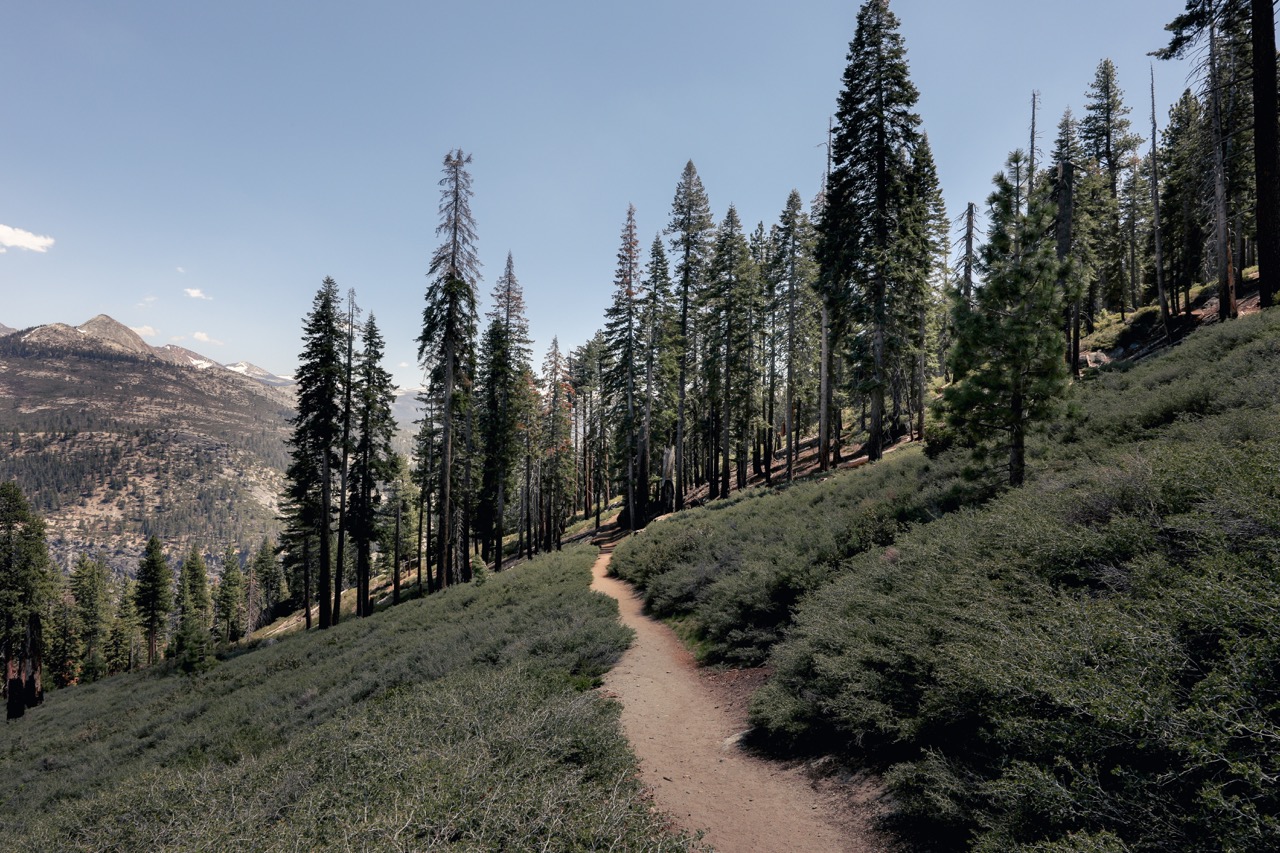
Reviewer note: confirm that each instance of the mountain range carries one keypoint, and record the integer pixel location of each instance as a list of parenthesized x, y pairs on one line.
[(114, 440)]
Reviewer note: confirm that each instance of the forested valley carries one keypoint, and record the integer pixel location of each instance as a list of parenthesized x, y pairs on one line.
[(991, 500)]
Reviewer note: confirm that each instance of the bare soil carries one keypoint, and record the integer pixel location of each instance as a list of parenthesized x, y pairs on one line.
[(686, 726)]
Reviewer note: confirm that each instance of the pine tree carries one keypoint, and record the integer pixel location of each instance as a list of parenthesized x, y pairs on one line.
[(27, 585), (796, 275), (64, 649), (1007, 361), (557, 460), (373, 460), (504, 357), (730, 292), (348, 364), (124, 640), (229, 601), (317, 433), (153, 595), (90, 587), (446, 344), (193, 646), (657, 322), (270, 583), (862, 255), (622, 338), (691, 230)]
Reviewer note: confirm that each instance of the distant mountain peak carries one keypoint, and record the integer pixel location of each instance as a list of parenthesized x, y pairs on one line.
[(115, 335)]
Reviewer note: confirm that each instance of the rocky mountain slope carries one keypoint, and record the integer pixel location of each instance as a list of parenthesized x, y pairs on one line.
[(114, 440)]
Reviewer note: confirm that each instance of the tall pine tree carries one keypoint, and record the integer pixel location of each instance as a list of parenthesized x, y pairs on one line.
[(446, 345)]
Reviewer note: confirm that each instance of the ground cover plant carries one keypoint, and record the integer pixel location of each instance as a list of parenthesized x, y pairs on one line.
[(733, 571), (460, 720), (1085, 663)]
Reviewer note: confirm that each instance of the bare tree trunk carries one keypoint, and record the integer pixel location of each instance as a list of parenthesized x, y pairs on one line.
[(824, 394), (1266, 150), (1226, 268), (1155, 209)]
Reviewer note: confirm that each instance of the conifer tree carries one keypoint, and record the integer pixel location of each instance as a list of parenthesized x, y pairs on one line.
[(153, 595), (1007, 361), (622, 338), (447, 342), (27, 585), (193, 641), (796, 276), (862, 256), (730, 292), (503, 359), (657, 323), (1183, 152), (229, 601), (64, 649), (90, 587), (317, 434), (270, 582), (124, 640), (557, 460), (691, 231), (373, 459)]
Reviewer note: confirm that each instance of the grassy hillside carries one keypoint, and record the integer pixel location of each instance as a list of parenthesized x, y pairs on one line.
[(1085, 663), (461, 720)]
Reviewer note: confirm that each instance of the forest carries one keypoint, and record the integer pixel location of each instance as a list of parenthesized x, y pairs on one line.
[(1041, 605)]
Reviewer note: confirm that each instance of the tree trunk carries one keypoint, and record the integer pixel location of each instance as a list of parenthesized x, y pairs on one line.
[(326, 502), (1266, 150), (1226, 269)]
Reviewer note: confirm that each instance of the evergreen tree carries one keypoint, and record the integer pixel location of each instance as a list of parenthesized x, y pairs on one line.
[(124, 640), (730, 293), (446, 344), (657, 323), (64, 650), (373, 460), (27, 585), (796, 276), (1183, 152), (558, 465), (692, 231), (270, 582), (1106, 139), (622, 338), (317, 433), (193, 647), (504, 357), (229, 602), (90, 587), (153, 595), (1007, 362), (862, 253)]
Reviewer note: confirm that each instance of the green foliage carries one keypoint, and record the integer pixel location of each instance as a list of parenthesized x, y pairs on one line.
[(739, 567), (451, 720), (1085, 663), (153, 595)]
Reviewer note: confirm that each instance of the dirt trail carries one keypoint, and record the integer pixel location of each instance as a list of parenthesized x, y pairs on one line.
[(685, 733)]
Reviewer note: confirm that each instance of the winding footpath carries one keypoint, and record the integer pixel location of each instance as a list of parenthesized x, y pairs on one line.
[(686, 736)]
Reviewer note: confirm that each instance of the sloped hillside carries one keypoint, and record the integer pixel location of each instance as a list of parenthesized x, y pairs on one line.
[(113, 444), (462, 721), (1084, 663)]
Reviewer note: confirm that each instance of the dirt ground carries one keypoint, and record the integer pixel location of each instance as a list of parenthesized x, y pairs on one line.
[(685, 726)]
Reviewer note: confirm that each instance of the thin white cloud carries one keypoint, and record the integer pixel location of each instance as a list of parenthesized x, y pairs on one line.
[(181, 270), (204, 338), (196, 293), (146, 301), (16, 238), (145, 331), (404, 364)]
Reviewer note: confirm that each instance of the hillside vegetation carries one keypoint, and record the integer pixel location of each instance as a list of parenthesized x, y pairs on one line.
[(113, 447), (1084, 663), (460, 720)]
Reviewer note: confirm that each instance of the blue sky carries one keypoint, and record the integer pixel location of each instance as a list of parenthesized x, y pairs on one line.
[(195, 170)]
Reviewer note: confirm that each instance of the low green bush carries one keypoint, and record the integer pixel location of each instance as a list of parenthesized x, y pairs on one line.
[(458, 720), (1086, 663)]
